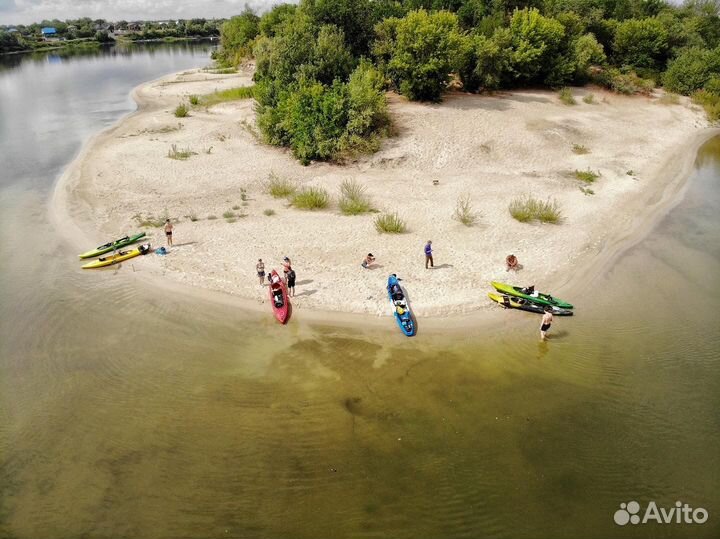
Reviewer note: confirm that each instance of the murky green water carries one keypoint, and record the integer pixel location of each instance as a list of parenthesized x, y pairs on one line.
[(127, 412)]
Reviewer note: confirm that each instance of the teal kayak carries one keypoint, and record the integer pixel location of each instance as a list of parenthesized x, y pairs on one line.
[(530, 295), (113, 245)]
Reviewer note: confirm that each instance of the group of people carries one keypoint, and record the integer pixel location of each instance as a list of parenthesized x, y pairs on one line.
[(288, 274)]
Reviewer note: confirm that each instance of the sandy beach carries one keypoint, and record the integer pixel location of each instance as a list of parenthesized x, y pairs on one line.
[(490, 148)]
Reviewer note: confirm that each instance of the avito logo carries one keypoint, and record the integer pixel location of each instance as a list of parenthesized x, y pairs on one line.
[(680, 514)]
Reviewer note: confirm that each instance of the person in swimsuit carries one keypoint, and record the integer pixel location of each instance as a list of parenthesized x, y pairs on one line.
[(168, 232), (287, 266), (369, 259), (511, 263), (291, 282), (546, 323), (260, 267)]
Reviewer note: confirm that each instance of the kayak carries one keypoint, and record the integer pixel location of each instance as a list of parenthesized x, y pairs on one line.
[(510, 302), (117, 258), (278, 297), (530, 295), (401, 309), (113, 245)]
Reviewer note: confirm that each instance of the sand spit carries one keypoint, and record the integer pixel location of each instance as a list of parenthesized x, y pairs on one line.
[(490, 148)]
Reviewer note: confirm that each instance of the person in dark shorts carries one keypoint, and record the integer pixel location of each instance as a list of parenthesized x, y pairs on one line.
[(168, 232), (291, 282), (369, 260), (287, 266), (260, 267), (546, 323)]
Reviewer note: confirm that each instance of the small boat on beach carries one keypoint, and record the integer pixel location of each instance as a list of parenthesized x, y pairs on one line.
[(531, 295), (278, 297), (511, 302), (113, 245), (401, 309), (117, 258)]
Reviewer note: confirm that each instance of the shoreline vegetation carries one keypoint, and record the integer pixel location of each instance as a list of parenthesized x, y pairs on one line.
[(359, 129), (85, 33)]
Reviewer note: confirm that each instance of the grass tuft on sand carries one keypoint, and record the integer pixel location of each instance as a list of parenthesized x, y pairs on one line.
[(311, 198), (464, 212), (353, 198), (390, 223), (528, 208), (279, 187)]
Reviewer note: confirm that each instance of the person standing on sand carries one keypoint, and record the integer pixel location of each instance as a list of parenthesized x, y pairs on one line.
[(546, 323), (260, 267), (287, 267), (291, 282), (168, 232), (428, 255)]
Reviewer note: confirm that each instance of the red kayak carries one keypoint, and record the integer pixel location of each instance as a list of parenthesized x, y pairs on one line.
[(278, 297)]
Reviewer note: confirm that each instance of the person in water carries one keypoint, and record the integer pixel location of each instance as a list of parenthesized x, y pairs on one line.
[(369, 259), (511, 263), (546, 323), (168, 232), (429, 255), (260, 267), (291, 282)]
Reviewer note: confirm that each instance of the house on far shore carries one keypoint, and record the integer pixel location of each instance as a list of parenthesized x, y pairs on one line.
[(48, 33)]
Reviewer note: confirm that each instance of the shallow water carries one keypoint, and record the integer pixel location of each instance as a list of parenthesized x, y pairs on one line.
[(126, 412)]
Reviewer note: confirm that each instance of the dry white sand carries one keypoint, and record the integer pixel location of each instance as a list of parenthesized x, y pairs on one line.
[(492, 148)]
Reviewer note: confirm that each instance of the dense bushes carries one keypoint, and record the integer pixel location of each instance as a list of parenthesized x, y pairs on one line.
[(322, 66)]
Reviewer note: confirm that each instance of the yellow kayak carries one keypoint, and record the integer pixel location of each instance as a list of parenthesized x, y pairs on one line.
[(117, 258)]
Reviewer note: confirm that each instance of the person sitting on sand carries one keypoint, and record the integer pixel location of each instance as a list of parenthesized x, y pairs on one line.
[(168, 232), (369, 259), (512, 263), (260, 267)]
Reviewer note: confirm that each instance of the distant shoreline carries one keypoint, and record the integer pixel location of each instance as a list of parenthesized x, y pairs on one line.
[(91, 43), (493, 148)]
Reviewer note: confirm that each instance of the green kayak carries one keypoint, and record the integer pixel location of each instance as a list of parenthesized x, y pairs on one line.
[(113, 245), (530, 295)]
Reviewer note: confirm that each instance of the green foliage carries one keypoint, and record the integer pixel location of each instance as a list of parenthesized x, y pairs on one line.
[(624, 82), (529, 208), (182, 111), (354, 19), (587, 176), (588, 53), (691, 70), (390, 223), (231, 94), (566, 96), (485, 61), (670, 99), (425, 49), (710, 102), (237, 35), (269, 212), (311, 198), (279, 187), (589, 99), (353, 198), (272, 20), (194, 100), (331, 59), (641, 43), (228, 214), (464, 212)]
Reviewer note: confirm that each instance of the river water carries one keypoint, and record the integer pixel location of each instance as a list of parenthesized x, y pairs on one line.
[(131, 413)]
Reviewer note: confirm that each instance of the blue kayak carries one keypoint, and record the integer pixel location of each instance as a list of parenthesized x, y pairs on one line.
[(401, 309)]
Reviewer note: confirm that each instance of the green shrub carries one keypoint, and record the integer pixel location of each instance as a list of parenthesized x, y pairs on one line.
[(228, 214), (231, 94), (353, 198), (528, 208), (194, 100), (589, 99), (279, 187), (691, 70), (311, 198), (580, 149), (269, 212), (627, 83), (566, 96), (641, 42), (390, 223), (587, 176), (182, 110), (180, 154), (669, 98), (710, 102), (464, 212)]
